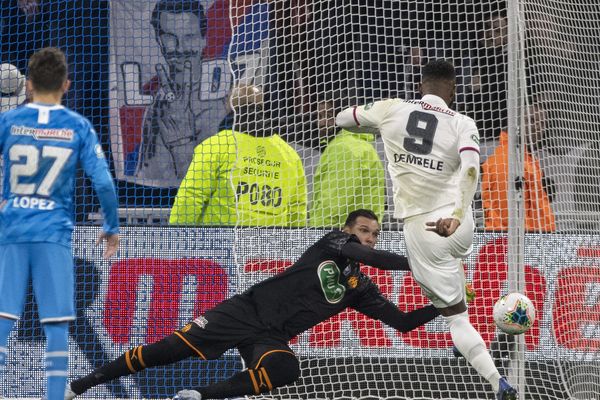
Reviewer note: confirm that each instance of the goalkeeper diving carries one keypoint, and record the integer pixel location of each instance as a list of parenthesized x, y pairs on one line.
[(260, 322)]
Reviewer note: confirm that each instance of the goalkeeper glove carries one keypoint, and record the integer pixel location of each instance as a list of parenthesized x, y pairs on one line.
[(470, 292)]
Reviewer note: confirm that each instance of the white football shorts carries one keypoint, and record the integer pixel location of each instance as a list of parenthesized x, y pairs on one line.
[(436, 261)]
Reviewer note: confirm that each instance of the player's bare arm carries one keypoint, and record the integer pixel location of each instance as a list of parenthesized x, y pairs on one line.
[(112, 243)]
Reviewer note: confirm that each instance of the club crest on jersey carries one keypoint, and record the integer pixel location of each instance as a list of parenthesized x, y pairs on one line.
[(98, 151), (43, 134), (353, 282), (329, 276)]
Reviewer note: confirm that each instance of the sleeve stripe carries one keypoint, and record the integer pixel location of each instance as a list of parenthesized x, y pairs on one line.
[(355, 117), (468, 148)]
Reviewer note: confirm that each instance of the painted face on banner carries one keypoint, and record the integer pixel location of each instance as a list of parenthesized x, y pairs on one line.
[(181, 40)]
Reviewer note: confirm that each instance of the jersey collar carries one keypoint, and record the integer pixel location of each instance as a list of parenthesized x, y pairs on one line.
[(40, 106), (434, 100)]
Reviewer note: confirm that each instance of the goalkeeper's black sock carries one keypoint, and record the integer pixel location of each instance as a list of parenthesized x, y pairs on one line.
[(239, 384), (278, 368), (165, 351), (112, 370)]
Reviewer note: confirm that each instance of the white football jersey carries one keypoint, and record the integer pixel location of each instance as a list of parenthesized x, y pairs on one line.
[(423, 140)]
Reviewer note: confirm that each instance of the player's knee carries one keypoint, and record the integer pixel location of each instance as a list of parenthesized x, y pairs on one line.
[(465, 337), (279, 369)]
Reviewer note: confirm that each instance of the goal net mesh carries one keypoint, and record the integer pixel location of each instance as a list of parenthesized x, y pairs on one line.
[(212, 201)]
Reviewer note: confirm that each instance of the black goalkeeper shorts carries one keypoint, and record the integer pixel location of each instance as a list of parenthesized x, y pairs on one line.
[(231, 324)]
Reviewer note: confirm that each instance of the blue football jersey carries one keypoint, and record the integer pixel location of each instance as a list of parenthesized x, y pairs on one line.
[(41, 147)]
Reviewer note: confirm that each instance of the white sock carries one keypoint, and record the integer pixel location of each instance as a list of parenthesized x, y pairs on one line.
[(469, 342)]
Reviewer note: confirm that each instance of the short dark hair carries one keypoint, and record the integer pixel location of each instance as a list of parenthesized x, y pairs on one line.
[(178, 7), (353, 216), (439, 70), (48, 69)]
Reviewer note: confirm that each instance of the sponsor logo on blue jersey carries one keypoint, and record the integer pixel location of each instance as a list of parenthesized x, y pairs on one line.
[(43, 133)]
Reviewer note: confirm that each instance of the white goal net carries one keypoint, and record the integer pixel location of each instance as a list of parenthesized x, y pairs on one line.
[(536, 109)]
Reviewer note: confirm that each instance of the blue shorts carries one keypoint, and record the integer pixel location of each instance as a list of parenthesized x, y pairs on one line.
[(50, 267)]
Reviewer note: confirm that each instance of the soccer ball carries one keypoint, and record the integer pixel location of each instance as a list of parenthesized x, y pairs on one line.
[(12, 87), (514, 313), (11, 79)]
